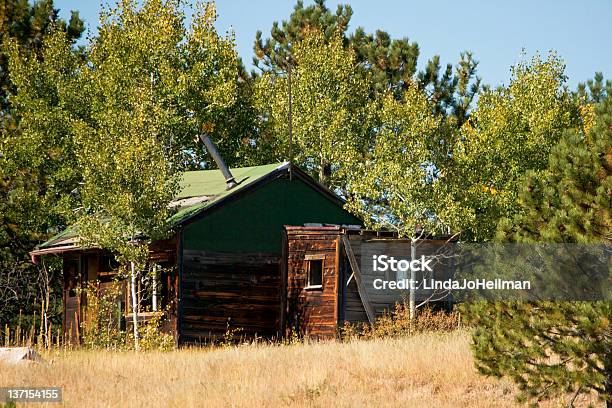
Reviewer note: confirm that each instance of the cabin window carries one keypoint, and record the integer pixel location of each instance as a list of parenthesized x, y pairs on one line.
[(314, 271), (108, 263)]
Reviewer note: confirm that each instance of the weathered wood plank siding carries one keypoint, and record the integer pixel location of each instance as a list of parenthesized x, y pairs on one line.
[(312, 312), (221, 290), (354, 312), (382, 300)]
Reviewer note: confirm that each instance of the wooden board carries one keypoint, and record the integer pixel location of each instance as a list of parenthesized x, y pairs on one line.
[(221, 291), (361, 288), (312, 312)]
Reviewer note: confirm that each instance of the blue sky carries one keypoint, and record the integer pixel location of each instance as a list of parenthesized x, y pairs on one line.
[(495, 31)]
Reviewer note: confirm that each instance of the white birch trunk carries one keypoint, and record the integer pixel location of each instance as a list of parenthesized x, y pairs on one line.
[(134, 307), (412, 280), (154, 296)]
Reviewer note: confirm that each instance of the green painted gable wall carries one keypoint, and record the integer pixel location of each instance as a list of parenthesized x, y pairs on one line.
[(253, 223)]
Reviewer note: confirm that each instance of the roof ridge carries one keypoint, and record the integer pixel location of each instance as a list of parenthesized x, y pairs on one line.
[(280, 165)]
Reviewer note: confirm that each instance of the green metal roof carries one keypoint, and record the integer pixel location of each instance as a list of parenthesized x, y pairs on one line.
[(211, 183), (199, 190)]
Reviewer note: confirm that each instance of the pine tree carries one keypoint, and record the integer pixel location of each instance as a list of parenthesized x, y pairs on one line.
[(390, 64), (594, 90), (275, 53), (36, 173), (551, 347), (29, 24)]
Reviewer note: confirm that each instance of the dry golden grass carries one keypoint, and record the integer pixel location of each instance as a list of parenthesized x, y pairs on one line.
[(427, 370)]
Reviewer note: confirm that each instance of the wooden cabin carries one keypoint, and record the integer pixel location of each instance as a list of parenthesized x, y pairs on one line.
[(329, 278), (223, 265)]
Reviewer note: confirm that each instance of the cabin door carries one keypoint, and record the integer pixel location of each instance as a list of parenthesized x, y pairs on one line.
[(72, 300)]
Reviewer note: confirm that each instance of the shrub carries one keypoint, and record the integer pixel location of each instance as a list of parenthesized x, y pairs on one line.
[(151, 336), (101, 328), (397, 323)]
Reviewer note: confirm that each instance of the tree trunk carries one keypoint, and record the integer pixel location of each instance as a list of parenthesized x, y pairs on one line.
[(608, 385), (154, 296), (412, 303), (134, 307), (325, 171), (322, 172)]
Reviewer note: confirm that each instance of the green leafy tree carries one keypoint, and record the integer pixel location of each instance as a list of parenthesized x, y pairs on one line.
[(512, 131), (570, 201), (387, 67), (151, 85), (389, 64), (236, 133), (423, 170), (28, 25), (107, 131), (551, 347), (329, 112), (397, 186), (37, 171)]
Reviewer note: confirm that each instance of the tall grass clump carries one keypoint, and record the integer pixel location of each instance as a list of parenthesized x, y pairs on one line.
[(397, 323)]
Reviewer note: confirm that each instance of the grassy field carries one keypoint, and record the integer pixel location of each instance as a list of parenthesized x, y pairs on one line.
[(429, 370)]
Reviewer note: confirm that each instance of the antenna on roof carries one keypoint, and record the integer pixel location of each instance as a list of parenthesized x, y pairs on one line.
[(290, 118), (212, 150)]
